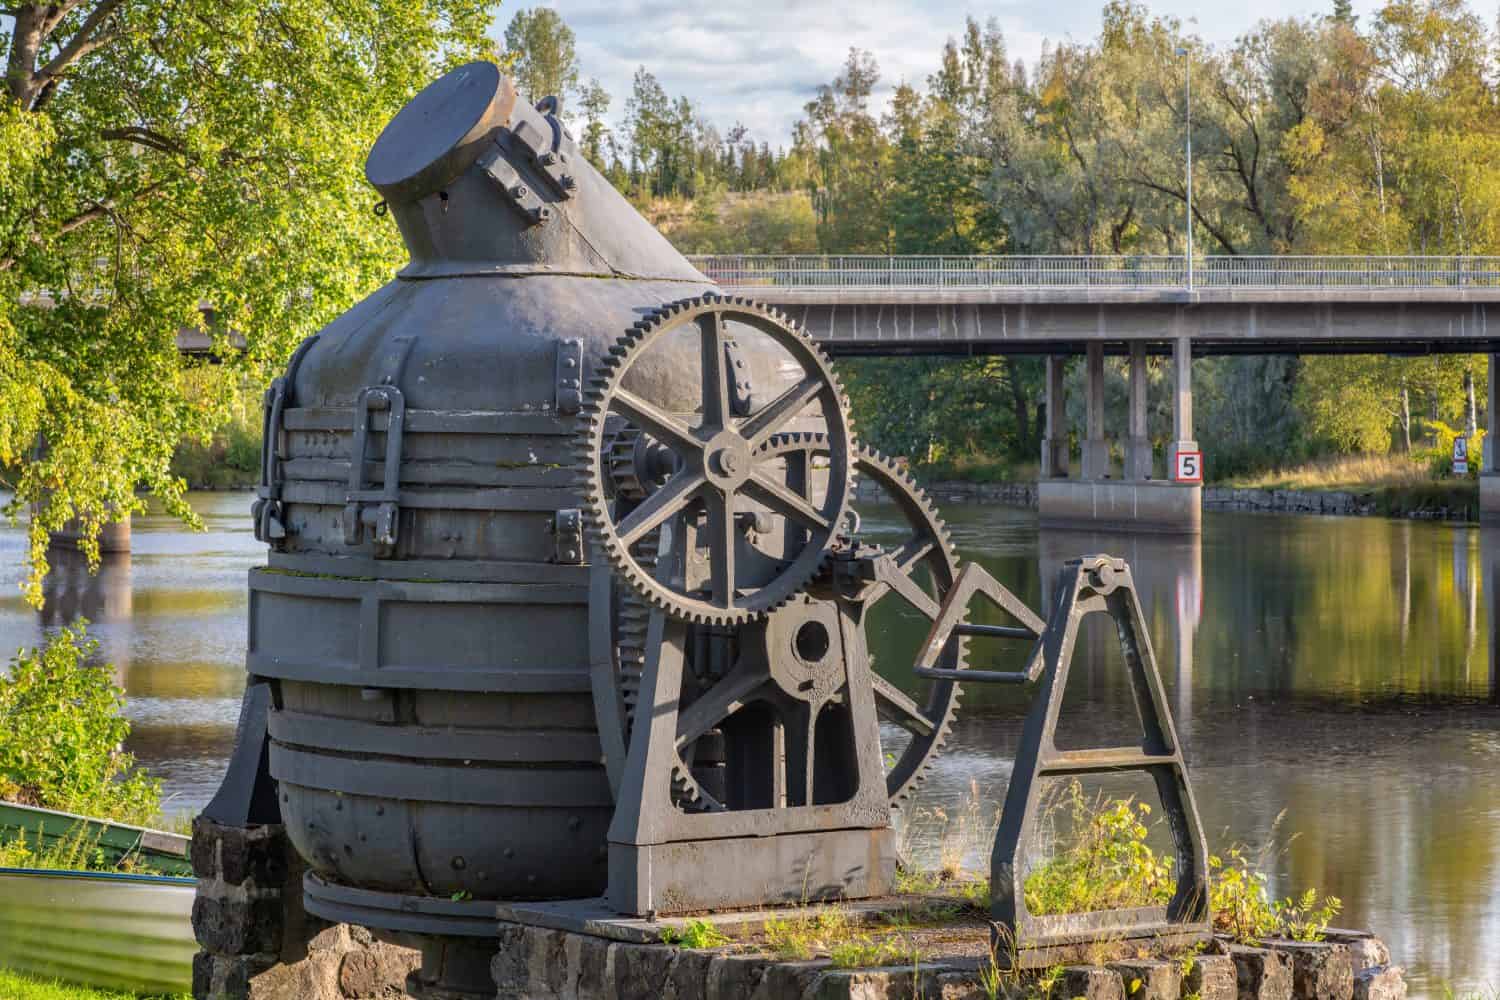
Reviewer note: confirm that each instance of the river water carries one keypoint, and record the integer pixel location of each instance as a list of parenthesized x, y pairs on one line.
[(1334, 673)]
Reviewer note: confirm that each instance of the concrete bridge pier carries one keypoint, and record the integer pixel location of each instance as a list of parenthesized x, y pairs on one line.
[(1137, 499), (1489, 469)]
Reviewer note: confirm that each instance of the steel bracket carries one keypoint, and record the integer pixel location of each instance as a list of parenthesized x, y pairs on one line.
[(547, 153), (266, 512), (512, 185), (569, 370), (378, 509), (567, 537)]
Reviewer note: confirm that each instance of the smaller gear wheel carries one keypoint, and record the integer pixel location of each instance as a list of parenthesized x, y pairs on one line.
[(927, 717), (715, 467)]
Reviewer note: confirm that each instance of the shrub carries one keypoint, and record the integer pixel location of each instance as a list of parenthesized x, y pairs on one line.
[(61, 735), (1104, 864)]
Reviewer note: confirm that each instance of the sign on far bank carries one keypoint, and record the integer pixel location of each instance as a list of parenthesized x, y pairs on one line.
[(1460, 456), (1189, 467)]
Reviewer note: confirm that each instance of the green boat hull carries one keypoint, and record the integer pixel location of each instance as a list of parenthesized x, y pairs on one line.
[(159, 851)]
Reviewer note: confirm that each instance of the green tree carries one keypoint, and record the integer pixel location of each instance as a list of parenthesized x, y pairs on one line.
[(157, 158), (540, 48), (850, 159), (594, 100)]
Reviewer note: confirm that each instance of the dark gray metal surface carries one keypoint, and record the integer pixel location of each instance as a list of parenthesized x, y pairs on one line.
[(419, 630)]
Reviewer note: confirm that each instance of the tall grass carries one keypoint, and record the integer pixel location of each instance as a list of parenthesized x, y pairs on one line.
[(1343, 472), (15, 986)]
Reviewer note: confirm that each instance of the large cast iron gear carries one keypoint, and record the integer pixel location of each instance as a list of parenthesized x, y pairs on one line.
[(928, 718), (717, 462)]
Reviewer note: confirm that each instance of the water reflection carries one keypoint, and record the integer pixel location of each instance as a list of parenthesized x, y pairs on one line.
[(1330, 678), (1340, 671)]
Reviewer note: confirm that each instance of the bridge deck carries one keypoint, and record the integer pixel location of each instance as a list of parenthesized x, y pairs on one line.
[(1058, 305)]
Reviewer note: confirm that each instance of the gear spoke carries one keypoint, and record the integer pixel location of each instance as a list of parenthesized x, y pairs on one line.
[(657, 422), (715, 376), (894, 705), (659, 506), (716, 704), (786, 502), (773, 416), (913, 552), (721, 541)]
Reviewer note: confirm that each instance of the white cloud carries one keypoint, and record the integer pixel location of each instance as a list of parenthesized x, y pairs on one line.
[(759, 63)]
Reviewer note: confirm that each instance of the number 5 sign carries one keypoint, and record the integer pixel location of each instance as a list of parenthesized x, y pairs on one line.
[(1189, 467)]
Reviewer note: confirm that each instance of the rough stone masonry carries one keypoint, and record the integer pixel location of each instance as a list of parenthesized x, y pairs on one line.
[(257, 943)]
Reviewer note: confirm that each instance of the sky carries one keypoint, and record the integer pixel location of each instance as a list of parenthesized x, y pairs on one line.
[(759, 62)]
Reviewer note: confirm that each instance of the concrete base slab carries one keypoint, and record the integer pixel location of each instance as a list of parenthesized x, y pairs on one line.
[(113, 537), (784, 868), (1103, 504), (1489, 497)]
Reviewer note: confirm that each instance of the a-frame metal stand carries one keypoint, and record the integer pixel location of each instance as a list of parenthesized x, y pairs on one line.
[(1092, 584)]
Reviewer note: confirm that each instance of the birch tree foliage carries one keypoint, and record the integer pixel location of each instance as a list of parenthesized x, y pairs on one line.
[(171, 164)]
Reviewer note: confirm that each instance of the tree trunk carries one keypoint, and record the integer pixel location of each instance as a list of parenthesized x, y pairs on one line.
[(1471, 409), (1405, 418)]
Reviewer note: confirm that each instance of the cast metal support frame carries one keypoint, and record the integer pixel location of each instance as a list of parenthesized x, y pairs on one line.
[(1090, 585)]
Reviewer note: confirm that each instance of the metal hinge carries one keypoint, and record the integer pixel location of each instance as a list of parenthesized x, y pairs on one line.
[(567, 536), (569, 376), (377, 509), (266, 512)]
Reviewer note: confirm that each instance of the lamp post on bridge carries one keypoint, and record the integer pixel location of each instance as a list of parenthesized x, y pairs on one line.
[(1188, 76)]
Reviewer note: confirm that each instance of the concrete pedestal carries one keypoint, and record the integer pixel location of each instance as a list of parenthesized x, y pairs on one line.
[(1113, 505), (113, 537), (1489, 497)]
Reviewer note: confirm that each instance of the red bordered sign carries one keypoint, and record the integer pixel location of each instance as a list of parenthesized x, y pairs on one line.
[(1189, 467)]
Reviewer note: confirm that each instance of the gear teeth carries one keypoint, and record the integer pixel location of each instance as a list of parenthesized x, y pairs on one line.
[(592, 440)]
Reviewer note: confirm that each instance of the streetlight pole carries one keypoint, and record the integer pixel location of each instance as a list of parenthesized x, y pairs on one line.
[(1188, 74)]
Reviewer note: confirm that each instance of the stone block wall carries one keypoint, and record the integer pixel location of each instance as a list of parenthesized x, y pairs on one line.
[(257, 943), (536, 963)]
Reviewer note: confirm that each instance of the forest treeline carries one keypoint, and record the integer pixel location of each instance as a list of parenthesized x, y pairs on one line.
[(1327, 134)]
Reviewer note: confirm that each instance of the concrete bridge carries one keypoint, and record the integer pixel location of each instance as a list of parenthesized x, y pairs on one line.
[(1135, 306)]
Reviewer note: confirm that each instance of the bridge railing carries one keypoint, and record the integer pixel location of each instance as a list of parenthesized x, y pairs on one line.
[(865, 272)]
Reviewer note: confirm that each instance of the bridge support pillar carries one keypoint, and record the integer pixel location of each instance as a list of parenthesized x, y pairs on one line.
[(1138, 455), (1489, 469), (1055, 437), (1095, 446), (1182, 402), (1135, 503)]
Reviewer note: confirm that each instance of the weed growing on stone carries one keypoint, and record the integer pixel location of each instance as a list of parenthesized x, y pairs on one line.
[(863, 952), (806, 933), (1243, 907), (1104, 864), (696, 933)]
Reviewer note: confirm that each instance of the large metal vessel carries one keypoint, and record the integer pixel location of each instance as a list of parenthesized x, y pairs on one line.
[(424, 609)]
